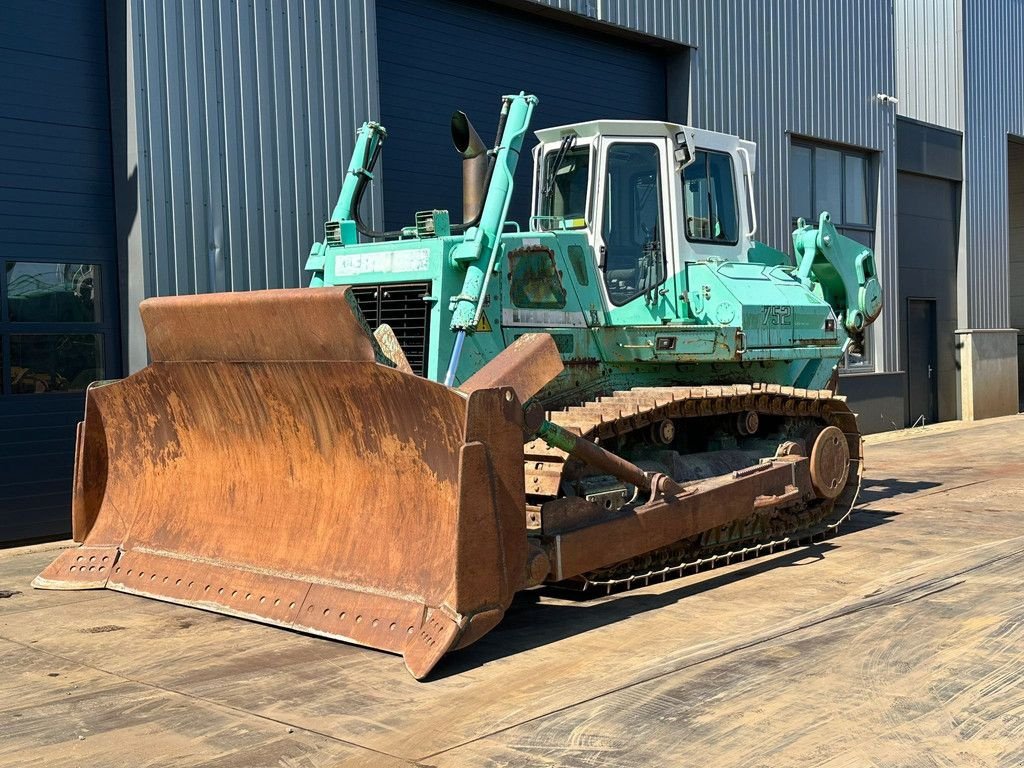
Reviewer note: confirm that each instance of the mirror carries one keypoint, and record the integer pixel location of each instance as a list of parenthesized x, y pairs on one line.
[(682, 154)]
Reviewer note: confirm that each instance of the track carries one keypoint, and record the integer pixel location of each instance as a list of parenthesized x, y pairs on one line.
[(626, 419)]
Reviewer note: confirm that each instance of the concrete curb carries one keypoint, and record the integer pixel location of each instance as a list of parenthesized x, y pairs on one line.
[(934, 429)]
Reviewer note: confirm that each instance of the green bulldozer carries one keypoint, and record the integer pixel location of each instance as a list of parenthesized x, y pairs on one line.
[(625, 386)]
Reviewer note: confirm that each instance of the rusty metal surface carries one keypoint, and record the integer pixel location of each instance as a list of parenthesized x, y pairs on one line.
[(590, 453), (303, 492), (474, 165), (830, 462), (391, 347), (526, 365), (666, 520), (284, 324), (90, 471), (608, 417), (265, 466), (808, 512)]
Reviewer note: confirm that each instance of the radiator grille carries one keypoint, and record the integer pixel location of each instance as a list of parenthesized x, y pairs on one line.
[(401, 306)]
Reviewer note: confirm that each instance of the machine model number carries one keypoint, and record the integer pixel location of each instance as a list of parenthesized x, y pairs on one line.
[(349, 264), (778, 314)]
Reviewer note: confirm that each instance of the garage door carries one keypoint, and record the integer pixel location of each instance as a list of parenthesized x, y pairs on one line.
[(435, 56), (927, 221), (58, 272)]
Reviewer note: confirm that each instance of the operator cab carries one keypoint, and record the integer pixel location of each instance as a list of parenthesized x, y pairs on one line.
[(649, 196)]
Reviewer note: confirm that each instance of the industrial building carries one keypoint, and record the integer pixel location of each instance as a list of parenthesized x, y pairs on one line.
[(160, 149)]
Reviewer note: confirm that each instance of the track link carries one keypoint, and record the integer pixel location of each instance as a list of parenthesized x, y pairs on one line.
[(621, 413)]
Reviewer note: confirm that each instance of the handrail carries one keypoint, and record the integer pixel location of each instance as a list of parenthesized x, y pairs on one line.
[(750, 190)]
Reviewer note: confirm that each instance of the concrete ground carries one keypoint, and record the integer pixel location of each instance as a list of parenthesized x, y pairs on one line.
[(899, 642)]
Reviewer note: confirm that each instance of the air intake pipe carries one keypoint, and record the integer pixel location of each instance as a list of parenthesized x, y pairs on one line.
[(474, 165)]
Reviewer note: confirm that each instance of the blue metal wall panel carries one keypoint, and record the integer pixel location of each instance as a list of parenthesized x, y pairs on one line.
[(929, 61), (957, 64), (56, 204), (575, 73), (994, 110)]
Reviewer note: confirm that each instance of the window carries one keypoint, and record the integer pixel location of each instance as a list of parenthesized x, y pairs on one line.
[(47, 292), (633, 254), (52, 362), (709, 194), (563, 190), (833, 179), (51, 326), (838, 180)]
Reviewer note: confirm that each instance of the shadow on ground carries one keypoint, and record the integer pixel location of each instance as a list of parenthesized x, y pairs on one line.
[(873, 490), (530, 623)]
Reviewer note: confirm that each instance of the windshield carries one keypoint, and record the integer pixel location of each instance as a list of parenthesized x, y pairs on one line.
[(563, 188)]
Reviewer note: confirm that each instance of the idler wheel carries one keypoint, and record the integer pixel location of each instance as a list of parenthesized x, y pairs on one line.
[(663, 432), (748, 423), (830, 463)]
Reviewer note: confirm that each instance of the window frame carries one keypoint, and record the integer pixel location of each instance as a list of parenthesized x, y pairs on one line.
[(664, 213), (839, 220), (106, 327), (536, 219), (735, 200), (866, 363)]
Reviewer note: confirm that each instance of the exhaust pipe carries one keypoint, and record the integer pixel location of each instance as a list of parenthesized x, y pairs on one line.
[(474, 165)]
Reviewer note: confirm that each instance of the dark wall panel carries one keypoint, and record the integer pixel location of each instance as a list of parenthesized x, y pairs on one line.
[(435, 56), (929, 150), (878, 399), (56, 205), (928, 221)]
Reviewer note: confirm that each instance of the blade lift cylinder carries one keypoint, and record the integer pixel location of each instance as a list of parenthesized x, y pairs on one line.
[(485, 238)]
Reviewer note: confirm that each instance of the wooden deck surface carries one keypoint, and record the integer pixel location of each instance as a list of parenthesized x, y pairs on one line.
[(899, 642)]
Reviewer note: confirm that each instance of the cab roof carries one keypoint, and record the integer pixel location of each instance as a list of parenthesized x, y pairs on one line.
[(593, 128)]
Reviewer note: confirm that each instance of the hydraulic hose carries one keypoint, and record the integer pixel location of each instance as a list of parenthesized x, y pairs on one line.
[(370, 162)]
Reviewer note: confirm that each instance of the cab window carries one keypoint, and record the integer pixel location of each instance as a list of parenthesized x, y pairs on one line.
[(709, 195), (563, 188), (631, 228)]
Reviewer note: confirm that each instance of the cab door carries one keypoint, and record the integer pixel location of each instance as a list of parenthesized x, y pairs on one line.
[(634, 241)]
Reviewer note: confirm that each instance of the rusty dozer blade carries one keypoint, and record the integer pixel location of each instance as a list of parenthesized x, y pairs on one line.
[(264, 465)]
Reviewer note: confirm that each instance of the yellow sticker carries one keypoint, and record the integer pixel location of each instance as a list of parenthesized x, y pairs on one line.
[(484, 326)]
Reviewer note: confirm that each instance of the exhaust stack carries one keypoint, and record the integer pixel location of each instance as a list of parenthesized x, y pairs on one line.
[(474, 165)]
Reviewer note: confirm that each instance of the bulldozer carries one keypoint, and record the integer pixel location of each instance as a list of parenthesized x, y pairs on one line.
[(625, 387)]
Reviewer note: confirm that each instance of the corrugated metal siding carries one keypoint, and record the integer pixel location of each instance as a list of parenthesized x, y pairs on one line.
[(278, 91), (246, 115), (929, 61), (582, 7), (761, 71), (994, 106), (678, 21)]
